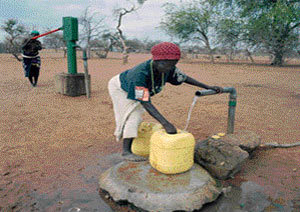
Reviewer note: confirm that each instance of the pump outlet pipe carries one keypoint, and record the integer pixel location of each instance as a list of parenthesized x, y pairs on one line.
[(231, 104), (86, 73)]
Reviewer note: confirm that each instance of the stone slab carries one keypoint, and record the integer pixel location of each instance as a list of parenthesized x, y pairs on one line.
[(148, 189), (222, 160), (245, 139)]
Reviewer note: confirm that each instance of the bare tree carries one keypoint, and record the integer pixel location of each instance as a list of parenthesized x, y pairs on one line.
[(13, 40), (55, 41), (120, 13), (249, 54), (108, 40), (93, 27)]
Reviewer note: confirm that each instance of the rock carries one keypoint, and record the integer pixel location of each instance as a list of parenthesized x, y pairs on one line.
[(150, 190), (245, 139), (253, 198), (221, 159)]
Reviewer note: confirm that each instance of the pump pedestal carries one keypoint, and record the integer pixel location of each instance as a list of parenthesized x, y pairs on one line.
[(71, 84), (150, 190)]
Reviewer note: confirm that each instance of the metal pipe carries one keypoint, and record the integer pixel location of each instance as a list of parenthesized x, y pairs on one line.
[(231, 104), (86, 73), (71, 55)]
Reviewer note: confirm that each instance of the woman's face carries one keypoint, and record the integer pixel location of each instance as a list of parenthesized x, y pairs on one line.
[(164, 66)]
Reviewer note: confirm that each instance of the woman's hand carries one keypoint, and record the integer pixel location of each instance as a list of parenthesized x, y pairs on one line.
[(155, 114), (170, 129), (216, 88)]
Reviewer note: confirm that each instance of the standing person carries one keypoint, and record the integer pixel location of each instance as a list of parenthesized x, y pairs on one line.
[(131, 93), (31, 58)]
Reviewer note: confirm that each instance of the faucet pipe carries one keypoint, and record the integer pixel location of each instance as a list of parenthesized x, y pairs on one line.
[(231, 104)]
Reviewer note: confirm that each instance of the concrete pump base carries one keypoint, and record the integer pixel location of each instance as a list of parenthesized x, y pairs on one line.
[(148, 189), (71, 84)]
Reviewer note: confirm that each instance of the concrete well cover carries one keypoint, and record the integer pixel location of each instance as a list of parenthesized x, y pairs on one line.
[(146, 188)]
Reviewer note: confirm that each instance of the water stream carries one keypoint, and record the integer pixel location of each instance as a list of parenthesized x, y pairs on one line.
[(190, 112)]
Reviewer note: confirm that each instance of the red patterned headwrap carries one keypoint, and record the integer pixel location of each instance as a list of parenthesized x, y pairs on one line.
[(165, 51)]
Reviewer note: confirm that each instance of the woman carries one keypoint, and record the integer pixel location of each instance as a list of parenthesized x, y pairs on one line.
[(31, 58), (131, 93)]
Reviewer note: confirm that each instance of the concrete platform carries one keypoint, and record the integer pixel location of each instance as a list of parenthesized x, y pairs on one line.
[(71, 84), (148, 189)]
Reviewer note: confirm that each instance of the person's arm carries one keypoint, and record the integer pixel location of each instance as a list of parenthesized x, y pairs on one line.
[(39, 46), (192, 81), (155, 114), (26, 41)]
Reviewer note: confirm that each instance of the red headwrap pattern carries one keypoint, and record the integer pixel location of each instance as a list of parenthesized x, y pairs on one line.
[(165, 51)]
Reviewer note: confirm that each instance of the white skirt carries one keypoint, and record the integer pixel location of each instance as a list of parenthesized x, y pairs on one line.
[(128, 113)]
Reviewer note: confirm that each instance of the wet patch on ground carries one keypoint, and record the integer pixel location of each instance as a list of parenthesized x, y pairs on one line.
[(89, 198), (247, 197), (19, 196)]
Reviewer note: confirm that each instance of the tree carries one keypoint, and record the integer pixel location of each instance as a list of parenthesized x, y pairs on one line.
[(120, 13), (92, 28), (55, 41), (135, 45), (231, 38), (105, 44), (270, 25), (228, 35), (13, 40), (190, 21), (2, 48)]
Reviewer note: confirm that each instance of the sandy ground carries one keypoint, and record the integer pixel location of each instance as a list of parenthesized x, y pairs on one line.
[(49, 142)]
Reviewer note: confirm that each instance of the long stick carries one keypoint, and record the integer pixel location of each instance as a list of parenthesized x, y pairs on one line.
[(46, 33), (276, 145)]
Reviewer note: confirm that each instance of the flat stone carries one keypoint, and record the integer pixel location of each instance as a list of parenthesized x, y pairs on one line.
[(148, 189), (245, 139), (222, 160)]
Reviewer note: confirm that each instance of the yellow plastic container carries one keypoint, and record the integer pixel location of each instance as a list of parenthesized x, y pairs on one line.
[(141, 145), (172, 153)]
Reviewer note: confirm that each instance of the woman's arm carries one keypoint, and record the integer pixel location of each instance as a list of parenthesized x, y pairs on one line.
[(25, 42), (155, 114), (192, 81)]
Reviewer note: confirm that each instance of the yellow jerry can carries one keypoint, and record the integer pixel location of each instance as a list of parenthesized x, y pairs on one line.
[(141, 145), (172, 153)]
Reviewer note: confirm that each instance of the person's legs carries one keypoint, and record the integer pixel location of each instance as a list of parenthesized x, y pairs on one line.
[(30, 78), (127, 153), (127, 142), (126, 127), (130, 132), (26, 65), (36, 71)]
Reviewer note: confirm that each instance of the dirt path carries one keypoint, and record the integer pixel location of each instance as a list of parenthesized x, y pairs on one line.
[(50, 144)]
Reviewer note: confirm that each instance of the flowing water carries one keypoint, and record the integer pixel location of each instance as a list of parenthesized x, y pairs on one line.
[(190, 112)]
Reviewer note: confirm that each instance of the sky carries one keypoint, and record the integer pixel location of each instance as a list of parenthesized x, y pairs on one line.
[(47, 14)]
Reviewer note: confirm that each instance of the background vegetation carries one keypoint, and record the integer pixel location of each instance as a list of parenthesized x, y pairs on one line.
[(213, 27)]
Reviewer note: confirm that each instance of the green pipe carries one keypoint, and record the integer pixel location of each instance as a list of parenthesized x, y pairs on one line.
[(71, 52), (231, 110), (231, 104)]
